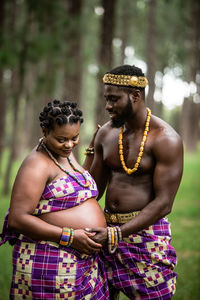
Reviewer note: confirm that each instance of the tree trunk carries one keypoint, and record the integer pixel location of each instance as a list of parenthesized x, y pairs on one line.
[(105, 55), (42, 97), (17, 83), (12, 155), (151, 52), (2, 88), (2, 117), (191, 107), (73, 67), (190, 126), (27, 122), (125, 19)]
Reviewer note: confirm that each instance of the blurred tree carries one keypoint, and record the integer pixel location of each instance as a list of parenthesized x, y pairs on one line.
[(105, 54), (124, 14), (91, 16), (2, 89), (125, 29), (73, 66), (45, 59), (151, 51), (47, 46), (17, 85), (171, 36), (73, 51), (191, 107)]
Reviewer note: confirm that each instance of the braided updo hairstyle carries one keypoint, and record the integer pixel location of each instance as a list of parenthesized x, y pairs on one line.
[(60, 113)]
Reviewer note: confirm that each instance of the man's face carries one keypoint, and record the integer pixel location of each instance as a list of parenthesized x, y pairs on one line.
[(118, 105)]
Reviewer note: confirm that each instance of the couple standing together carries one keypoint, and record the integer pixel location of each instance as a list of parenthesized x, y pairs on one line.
[(64, 246)]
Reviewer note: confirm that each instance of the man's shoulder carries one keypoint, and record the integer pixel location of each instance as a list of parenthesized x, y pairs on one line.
[(105, 132), (164, 136), (162, 129), (105, 128)]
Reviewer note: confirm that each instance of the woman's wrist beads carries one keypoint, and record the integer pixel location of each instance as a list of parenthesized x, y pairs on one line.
[(89, 151), (114, 237), (67, 237)]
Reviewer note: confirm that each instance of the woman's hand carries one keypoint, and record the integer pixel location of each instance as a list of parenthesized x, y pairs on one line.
[(99, 235), (91, 145), (89, 152), (83, 243)]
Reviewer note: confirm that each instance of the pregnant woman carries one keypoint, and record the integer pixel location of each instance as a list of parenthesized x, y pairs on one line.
[(53, 201)]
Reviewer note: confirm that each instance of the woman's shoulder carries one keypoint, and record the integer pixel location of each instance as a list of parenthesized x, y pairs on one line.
[(34, 170), (35, 160)]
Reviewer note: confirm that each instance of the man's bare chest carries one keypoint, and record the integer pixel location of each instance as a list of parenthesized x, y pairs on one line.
[(131, 150)]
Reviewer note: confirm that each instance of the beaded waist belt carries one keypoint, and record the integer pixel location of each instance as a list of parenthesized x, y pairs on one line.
[(120, 218)]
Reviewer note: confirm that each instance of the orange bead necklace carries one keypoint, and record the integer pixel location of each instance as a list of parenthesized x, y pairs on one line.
[(121, 154)]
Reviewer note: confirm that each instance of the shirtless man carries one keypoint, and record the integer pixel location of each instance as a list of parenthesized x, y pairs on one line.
[(139, 161)]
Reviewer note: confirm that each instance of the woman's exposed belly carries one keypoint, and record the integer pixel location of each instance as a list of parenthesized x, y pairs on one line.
[(87, 214)]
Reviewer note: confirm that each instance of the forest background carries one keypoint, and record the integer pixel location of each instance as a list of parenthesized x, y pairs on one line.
[(61, 49)]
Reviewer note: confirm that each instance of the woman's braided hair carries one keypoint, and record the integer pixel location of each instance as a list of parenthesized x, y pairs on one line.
[(60, 113)]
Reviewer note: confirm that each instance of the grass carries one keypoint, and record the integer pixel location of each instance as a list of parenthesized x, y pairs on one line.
[(185, 221)]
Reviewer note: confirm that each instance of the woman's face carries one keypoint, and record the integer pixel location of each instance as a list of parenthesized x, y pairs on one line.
[(62, 139)]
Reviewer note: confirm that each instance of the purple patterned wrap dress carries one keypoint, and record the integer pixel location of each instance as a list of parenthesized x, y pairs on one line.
[(46, 270)]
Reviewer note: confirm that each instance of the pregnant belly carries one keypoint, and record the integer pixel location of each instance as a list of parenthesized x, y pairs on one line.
[(87, 214)]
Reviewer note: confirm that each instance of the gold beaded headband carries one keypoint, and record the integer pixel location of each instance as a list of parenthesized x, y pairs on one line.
[(128, 80)]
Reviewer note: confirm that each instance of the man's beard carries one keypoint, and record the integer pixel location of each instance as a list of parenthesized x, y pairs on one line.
[(125, 116)]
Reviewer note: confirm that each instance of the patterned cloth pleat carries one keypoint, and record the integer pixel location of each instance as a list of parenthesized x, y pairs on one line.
[(143, 265)]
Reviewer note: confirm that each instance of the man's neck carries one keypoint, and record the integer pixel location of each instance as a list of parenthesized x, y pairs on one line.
[(137, 122)]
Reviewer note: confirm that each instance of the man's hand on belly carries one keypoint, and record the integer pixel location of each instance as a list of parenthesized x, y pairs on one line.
[(83, 243), (100, 235)]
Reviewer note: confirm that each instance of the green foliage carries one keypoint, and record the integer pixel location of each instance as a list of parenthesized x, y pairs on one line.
[(172, 33), (135, 14), (172, 23)]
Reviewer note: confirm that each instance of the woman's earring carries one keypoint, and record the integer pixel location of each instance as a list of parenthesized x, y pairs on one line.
[(41, 140)]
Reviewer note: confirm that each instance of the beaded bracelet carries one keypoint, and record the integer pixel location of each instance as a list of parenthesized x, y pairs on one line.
[(71, 237), (114, 237), (112, 242), (89, 151), (66, 237), (109, 238), (119, 233)]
